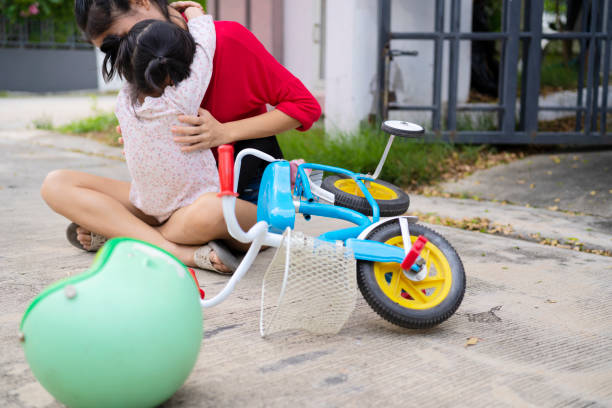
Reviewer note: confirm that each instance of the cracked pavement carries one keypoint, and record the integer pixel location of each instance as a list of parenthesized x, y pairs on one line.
[(541, 314)]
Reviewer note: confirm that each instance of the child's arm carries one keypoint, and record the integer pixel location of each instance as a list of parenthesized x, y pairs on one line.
[(188, 94)]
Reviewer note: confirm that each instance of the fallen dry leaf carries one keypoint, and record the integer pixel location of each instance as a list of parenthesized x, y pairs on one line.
[(556, 159), (472, 341), (532, 186), (557, 200), (553, 208), (593, 192), (550, 301)]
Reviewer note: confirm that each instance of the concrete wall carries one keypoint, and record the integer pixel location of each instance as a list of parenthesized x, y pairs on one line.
[(302, 42), (263, 19), (34, 70), (350, 72)]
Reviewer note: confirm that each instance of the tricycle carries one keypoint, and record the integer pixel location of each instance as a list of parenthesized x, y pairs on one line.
[(408, 273)]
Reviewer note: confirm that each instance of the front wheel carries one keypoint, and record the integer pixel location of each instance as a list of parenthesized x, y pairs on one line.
[(406, 303)]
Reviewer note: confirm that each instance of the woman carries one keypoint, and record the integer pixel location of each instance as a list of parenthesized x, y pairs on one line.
[(245, 79)]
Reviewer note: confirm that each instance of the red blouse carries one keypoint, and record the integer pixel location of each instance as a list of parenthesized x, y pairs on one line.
[(246, 77)]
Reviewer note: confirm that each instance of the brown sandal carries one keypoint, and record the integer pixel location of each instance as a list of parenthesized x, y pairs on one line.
[(97, 240)]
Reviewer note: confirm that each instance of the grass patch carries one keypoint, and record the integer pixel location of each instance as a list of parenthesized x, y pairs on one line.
[(43, 123), (100, 127), (482, 121), (410, 162), (99, 123), (557, 75)]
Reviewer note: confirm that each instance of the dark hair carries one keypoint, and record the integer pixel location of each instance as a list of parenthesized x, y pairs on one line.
[(95, 17), (152, 53)]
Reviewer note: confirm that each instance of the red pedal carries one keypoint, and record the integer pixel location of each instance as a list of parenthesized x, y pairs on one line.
[(414, 252)]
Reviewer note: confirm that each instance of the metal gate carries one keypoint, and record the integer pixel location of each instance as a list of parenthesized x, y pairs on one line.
[(517, 118)]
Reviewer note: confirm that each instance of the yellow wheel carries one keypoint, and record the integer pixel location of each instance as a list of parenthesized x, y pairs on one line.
[(391, 199), (378, 191), (403, 301)]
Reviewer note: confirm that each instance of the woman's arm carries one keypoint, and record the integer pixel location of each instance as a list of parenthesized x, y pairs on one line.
[(207, 132), (254, 77)]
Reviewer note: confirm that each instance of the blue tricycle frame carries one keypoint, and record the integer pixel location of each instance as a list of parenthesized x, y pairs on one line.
[(279, 202)]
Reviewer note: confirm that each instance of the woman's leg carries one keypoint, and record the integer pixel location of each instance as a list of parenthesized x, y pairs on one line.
[(203, 221), (102, 205)]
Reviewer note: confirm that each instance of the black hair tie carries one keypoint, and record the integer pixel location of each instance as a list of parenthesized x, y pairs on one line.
[(161, 60)]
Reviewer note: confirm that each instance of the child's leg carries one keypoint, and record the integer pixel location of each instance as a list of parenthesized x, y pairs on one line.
[(202, 221), (102, 205)]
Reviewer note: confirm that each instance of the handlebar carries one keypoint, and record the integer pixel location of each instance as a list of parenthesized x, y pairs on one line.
[(226, 170)]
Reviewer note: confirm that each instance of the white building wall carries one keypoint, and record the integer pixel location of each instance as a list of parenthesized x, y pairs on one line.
[(299, 48), (351, 48)]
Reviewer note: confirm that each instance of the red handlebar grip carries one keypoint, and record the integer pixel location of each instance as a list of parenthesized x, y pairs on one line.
[(226, 170), (414, 252)]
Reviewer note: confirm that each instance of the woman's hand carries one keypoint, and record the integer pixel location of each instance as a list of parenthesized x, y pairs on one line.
[(181, 6), (205, 132)]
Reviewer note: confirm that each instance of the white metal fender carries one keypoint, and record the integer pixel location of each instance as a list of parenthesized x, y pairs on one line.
[(411, 219)]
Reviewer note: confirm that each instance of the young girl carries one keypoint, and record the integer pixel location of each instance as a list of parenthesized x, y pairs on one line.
[(167, 70)]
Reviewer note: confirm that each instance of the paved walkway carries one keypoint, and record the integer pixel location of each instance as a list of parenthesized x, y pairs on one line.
[(542, 316), (579, 182)]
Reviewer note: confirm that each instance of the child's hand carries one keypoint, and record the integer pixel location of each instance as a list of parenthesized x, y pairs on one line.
[(181, 6), (193, 12)]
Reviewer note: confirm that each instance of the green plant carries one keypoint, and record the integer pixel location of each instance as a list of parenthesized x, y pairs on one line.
[(557, 74), (476, 122), (101, 123), (101, 127), (20, 10), (410, 162), (43, 123), (58, 10)]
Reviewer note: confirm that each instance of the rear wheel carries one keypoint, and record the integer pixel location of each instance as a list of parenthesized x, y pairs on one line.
[(402, 301), (391, 199)]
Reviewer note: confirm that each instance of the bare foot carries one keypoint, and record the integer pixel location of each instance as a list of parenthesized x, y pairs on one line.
[(84, 237), (216, 262)]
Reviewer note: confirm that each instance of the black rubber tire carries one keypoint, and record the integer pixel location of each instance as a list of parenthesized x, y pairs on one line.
[(388, 208), (392, 311)]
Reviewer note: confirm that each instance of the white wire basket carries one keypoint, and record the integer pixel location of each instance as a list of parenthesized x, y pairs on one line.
[(310, 284)]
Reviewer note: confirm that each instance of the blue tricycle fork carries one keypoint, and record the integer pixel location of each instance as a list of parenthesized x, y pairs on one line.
[(305, 189), (363, 249)]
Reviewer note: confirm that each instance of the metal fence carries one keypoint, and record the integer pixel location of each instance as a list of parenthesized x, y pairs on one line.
[(521, 35), (44, 34)]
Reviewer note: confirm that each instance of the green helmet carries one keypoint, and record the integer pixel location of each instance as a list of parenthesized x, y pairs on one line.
[(126, 333)]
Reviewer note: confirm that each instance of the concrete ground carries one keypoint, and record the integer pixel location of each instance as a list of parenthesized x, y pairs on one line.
[(579, 182), (541, 314)]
